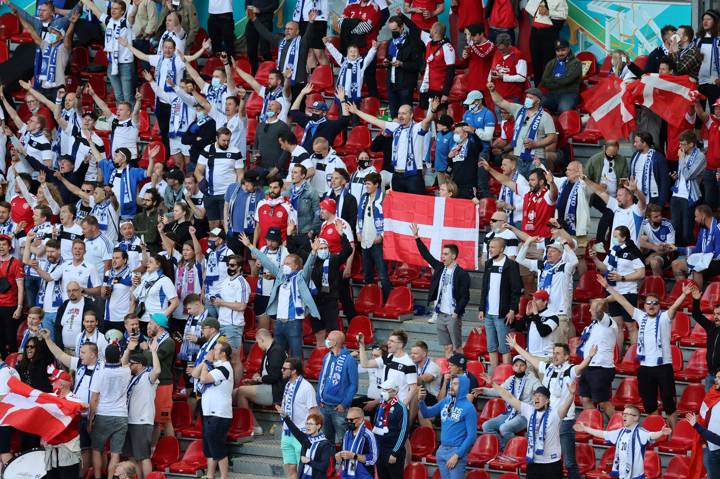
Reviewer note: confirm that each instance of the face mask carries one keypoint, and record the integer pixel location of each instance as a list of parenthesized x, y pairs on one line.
[(395, 34), (51, 38), (323, 254), (328, 343), (212, 244), (457, 138), (287, 270), (528, 103), (201, 115), (384, 395), (519, 375), (270, 114), (364, 163), (315, 116), (215, 82), (231, 272)]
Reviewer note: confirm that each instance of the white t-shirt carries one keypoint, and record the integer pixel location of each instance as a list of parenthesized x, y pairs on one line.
[(85, 376), (222, 172), (542, 346), (219, 6), (50, 303), (217, 398), (279, 255), (665, 234), (627, 262), (164, 67), (66, 236), (118, 305), (125, 134), (98, 250), (233, 290), (374, 381), (115, 29), (493, 292), (609, 178), (324, 169), (631, 457), (71, 322), (511, 242), (714, 424), (157, 296), (302, 401), (631, 217), (6, 372), (656, 332), (141, 399), (551, 451), (237, 126), (556, 379), (560, 278), (431, 367), (402, 370), (95, 337), (603, 333), (112, 384), (284, 105)]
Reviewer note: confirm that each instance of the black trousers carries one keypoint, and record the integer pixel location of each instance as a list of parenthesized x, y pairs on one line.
[(606, 219), (544, 471), (221, 29), (162, 113), (650, 379), (385, 470), (8, 343), (255, 43), (369, 78), (542, 49), (64, 472), (408, 184), (345, 296), (87, 33)]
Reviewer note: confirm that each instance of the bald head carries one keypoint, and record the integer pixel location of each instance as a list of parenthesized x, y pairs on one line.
[(337, 339), (74, 291), (574, 170)]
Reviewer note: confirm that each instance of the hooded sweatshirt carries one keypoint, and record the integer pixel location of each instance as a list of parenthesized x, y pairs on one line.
[(458, 418), (338, 379)]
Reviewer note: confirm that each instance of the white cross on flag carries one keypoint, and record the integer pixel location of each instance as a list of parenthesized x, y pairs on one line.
[(440, 221), (35, 412), (612, 110), (668, 96)]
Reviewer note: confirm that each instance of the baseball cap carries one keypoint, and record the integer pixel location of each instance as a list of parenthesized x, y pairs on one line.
[(160, 319), (519, 358), (273, 234), (535, 92), (319, 105), (218, 232), (329, 205), (561, 44), (541, 294), (472, 97), (211, 322), (557, 245), (389, 384), (458, 360)]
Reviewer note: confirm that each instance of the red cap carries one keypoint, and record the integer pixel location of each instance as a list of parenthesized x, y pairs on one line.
[(541, 294), (329, 205), (6, 237)]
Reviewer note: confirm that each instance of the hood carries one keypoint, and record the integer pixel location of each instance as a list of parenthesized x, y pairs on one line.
[(463, 386)]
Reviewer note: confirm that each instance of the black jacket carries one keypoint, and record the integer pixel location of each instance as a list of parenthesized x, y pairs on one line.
[(325, 450), (275, 357), (75, 177), (383, 144), (271, 38), (198, 137), (713, 334), (412, 55), (349, 210), (465, 172), (653, 60), (265, 6), (510, 286), (461, 280), (336, 261), (90, 305), (329, 129)]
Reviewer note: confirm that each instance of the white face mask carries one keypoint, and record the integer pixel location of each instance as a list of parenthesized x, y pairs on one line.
[(384, 395), (287, 269), (528, 103)]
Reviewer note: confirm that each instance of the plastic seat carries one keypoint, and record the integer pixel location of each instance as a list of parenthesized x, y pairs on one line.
[(253, 361), (145, 157), (415, 470), (210, 65), (629, 362), (675, 294), (654, 423), (458, 90), (585, 457), (155, 475), (250, 324), (696, 369), (241, 425), (691, 399), (263, 71), (399, 303), (166, 452), (369, 297), (9, 26), (253, 106), (570, 123), (181, 417), (652, 465), (698, 337), (314, 363), (404, 274), (627, 393), (370, 105), (501, 372), (251, 130), (195, 430), (509, 475), (605, 68), (680, 327), (192, 461), (573, 344), (148, 99), (443, 364), (492, 408), (485, 448), (512, 457), (359, 324), (581, 316), (12, 359), (423, 442), (145, 127), (677, 359), (588, 288), (591, 418), (476, 344), (682, 439), (486, 208), (710, 297), (476, 474), (358, 139), (615, 422), (322, 79), (678, 467), (602, 471), (654, 285), (242, 63), (477, 369)]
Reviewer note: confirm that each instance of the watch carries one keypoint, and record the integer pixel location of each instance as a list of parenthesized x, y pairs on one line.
[(355, 457)]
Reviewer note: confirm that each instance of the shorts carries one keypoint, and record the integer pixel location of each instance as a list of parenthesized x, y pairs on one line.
[(449, 330), (177, 146), (214, 206), (109, 428), (138, 441), (615, 310), (163, 403), (85, 441), (233, 334), (314, 32), (5, 436), (263, 395), (215, 431), (497, 331), (290, 448), (713, 269), (652, 378), (260, 304), (596, 383), (328, 308)]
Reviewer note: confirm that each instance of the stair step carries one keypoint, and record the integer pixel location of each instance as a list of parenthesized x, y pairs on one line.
[(259, 466)]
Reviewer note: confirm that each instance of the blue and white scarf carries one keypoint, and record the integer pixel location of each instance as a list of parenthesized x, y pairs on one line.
[(296, 192), (134, 382), (48, 64), (212, 268), (101, 211), (683, 175), (715, 52), (215, 95), (584, 336), (295, 307), (356, 69), (193, 327), (288, 401), (356, 445), (307, 471), (112, 45), (532, 132), (612, 262), (547, 274), (171, 74), (647, 173), (311, 127), (395, 44), (507, 195), (179, 117), (641, 339), (635, 441), (536, 445), (509, 410), (333, 375), (57, 291), (410, 165), (377, 211), (202, 353), (269, 97), (291, 57), (126, 189), (571, 206)]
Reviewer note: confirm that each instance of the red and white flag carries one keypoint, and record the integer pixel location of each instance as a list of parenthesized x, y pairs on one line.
[(612, 110), (35, 412), (668, 96), (440, 221)]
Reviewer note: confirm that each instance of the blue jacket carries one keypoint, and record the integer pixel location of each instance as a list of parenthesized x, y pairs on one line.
[(458, 422), (131, 177), (275, 270), (443, 145), (338, 387)]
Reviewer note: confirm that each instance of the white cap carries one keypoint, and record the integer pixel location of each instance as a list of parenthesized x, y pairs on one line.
[(472, 97), (389, 384)]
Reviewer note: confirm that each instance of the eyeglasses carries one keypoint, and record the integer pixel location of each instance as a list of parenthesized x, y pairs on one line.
[(652, 303), (30, 347), (310, 424), (87, 191), (353, 418)]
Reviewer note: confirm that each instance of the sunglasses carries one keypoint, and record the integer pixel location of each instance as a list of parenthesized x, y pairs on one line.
[(611, 163), (652, 303)]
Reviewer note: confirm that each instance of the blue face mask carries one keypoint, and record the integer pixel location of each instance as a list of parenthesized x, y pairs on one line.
[(270, 114), (51, 38), (212, 244), (528, 103), (215, 82), (323, 254)]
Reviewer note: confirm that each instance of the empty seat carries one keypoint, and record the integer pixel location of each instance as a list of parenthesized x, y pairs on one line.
[(181, 417), (404, 274), (368, 299), (192, 461), (691, 399), (477, 474), (698, 337), (501, 372), (654, 423), (630, 362), (654, 285), (477, 369), (322, 79), (423, 443), (492, 408), (512, 457), (485, 448), (675, 294), (415, 470), (627, 393), (710, 297), (680, 327), (486, 208), (696, 369), (682, 439), (476, 344), (585, 457), (314, 363), (592, 418), (652, 465), (166, 452), (241, 425), (605, 466), (359, 324), (399, 303), (253, 361), (588, 288), (678, 467)]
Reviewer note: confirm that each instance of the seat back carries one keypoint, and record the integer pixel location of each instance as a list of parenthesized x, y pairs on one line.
[(476, 344), (180, 415), (710, 297), (627, 391), (487, 445), (606, 461), (242, 422), (493, 408), (585, 457), (631, 355), (359, 137), (652, 285), (359, 324), (615, 422), (692, 397), (477, 474), (314, 363), (591, 417), (570, 123), (679, 466), (677, 358), (501, 372), (263, 71), (155, 475), (253, 360), (400, 298), (516, 447), (652, 465), (415, 470), (371, 294), (698, 360), (194, 453), (423, 440), (486, 208), (167, 450), (680, 327), (476, 368)]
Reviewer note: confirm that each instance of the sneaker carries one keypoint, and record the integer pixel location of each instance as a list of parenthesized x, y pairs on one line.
[(257, 430), (433, 318)]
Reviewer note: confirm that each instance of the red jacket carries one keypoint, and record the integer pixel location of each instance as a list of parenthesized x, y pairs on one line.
[(369, 13), (508, 66), (469, 12)]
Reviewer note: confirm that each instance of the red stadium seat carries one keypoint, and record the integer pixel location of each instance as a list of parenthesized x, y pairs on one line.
[(442, 362), (573, 344), (148, 99), (423, 442), (492, 408), (486, 208), (242, 425), (698, 337), (509, 475), (314, 363), (615, 422), (589, 57), (250, 324), (195, 430), (604, 70), (627, 393), (652, 465), (501, 372), (253, 361), (322, 79), (677, 359), (415, 470), (691, 399), (459, 89), (475, 344), (476, 368), (370, 105), (605, 466), (244, 64), (359, 324), (263, 71), (181, 417), (696, 369), (253, 106), (570, 123), (456, 111), (477, 474), (652, 285), (9, 26), (192, 461), (404, 274), (585, 457), (678, 467), (588, 288), (358, 139), (630, 362), (210, 65), (680, 327), (485, 448), (682, 439), (592, 418), (145, 157), (166, 452), (654, 423), (155, 475), (675, 294), (710, 297), (368, 299), (399, 303), (512, 457)]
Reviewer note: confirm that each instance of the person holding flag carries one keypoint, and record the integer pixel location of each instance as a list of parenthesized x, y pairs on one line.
[(707, 427)]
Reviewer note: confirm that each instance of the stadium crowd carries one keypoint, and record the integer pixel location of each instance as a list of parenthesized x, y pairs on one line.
[(171, 242)]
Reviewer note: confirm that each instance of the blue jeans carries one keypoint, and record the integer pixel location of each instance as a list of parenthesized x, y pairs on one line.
[(372, 259), (333, 424), (233, 334), (123, 84), (567, 445), (711, 189), (32, 288), (711, 461), (560, 102), (497, 331), (289, 334), (443, 454), (709, 381), (681, 214), (503, 428), (48, 323), (525, 167)]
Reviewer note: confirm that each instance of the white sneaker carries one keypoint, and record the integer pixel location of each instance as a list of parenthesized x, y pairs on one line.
[(433, 318), (257, 430)]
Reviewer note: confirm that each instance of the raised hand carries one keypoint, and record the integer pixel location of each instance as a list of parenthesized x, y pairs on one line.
[(245, 240), (25, 85), (414, 230), (307, 89), (147, 76), (153, 151)]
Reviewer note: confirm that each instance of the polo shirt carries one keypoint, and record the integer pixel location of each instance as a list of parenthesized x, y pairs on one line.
[(220, 165)]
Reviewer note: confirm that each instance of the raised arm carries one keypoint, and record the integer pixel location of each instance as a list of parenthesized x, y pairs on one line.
[(194, 74), (138, 54), (362, 354), (677, 304), (52, 106), (59, 354), (99, 101), (249, 79), (307, 89), (382, 124), (93, 8), (568, 401), (10, 110), (597, 188), (512, 342), (497, 98), (498, 175), (586, 360), (434, 104), (642, 200), (619, 298), (514, 402), (28, 27), (191, 58)]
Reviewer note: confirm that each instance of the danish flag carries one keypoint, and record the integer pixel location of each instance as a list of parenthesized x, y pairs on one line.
[(668, 96), (610, 107), (440, 221)]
